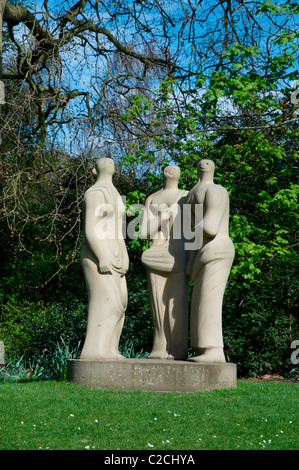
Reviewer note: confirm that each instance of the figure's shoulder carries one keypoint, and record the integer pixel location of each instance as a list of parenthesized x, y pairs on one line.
[(150, 198), (192, 192), (95, 192), (216, 191), (184, 196), (216, 188)]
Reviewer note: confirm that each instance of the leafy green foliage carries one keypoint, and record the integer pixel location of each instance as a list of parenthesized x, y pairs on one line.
[(52, 365), (30, 328), (21, 370), (138, 320), (54, 361)]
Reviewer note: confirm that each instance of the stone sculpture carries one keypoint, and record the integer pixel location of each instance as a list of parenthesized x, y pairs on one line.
[(105, 261), (209, 265), (165, 263)]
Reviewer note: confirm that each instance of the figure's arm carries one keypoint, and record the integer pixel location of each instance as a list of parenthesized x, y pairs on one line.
[(151, 220), (214, 203), (144, 230), (97, 244), (157, 218)]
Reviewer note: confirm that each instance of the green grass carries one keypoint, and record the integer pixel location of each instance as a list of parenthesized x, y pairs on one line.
[(65, 416)]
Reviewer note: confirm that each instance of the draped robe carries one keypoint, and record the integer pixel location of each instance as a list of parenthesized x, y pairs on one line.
[(107, 293)]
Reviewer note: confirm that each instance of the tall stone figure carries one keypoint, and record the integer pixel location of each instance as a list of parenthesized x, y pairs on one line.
[(105, 261), (209, 264), (165, 262)]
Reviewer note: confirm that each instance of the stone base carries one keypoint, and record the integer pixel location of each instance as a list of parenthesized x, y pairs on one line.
[(152, 375)]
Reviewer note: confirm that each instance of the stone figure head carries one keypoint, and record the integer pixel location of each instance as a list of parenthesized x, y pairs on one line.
[(205, 165), (105, 166), (171, 172)]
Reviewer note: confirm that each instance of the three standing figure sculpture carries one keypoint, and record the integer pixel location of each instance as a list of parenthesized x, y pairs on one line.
[(170, 263)]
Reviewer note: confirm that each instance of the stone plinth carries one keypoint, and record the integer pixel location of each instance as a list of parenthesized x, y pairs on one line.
[(152, 375)]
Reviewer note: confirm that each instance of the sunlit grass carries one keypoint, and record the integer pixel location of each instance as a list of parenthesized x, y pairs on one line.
[(64, 416)]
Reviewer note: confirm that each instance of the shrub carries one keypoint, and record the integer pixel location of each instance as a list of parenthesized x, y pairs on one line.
[(260, 323), (21, 370), (54, 361), (52, 365), (27, 328)]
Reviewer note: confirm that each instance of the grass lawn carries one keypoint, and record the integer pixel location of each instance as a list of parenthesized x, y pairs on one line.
[(65, 416)]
